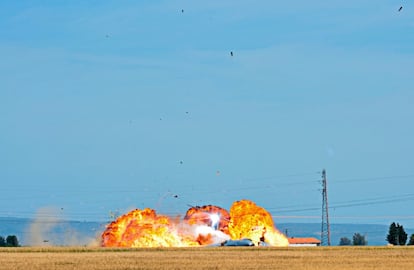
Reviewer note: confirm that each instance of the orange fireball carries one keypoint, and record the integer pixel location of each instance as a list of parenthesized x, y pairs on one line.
[(143, 228), (209, 215), (214, 219), (253, 222)]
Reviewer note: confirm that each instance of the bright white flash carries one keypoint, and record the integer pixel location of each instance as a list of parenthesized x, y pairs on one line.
[(215, 218)]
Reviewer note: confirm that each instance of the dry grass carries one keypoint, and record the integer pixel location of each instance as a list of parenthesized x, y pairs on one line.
[(208, 258)]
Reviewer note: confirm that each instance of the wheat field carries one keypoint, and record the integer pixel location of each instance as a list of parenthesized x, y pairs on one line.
[(208, 258)]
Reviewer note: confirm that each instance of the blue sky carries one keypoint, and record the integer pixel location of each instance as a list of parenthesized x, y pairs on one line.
[(113, 105)]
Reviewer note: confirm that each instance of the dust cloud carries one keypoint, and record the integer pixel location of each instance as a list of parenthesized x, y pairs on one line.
[(49, 228)]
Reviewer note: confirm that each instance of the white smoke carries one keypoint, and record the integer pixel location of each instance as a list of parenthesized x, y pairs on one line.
[(40, 229), (49, 228), (217, 236)]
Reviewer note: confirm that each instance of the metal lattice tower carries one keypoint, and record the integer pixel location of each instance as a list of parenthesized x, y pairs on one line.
[(326, 230)]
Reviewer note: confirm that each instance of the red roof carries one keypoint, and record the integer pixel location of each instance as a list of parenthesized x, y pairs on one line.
[(303, 240)]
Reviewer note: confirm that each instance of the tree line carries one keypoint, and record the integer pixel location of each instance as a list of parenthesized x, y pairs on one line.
[(396, 236), (357, 240), (9, 241)]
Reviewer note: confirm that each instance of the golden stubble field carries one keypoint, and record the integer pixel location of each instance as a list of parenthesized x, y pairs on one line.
[(208, 258)]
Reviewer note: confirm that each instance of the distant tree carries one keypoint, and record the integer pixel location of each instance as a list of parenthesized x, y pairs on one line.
[(402, 236), (2, 241), (345, 241), (359, 240), (411, 242), (392, 234), (11, 241), (397, 235)]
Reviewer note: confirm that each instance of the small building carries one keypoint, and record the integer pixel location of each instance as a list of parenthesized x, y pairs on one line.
[(304, 242)]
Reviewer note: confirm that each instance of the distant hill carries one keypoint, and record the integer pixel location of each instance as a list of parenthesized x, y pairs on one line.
[(53, 232), (374, 233)]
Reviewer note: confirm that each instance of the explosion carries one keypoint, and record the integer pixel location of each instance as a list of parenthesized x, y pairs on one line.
[(210, 215), (201, 226), (253, 222), (144, 228)]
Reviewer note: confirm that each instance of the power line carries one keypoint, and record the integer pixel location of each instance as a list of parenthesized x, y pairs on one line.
[(144, 194), (407, 217), (352, 203), (367, 179), (281, 177), (373, 203)]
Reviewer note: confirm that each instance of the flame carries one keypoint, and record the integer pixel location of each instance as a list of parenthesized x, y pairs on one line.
[(203, 215), (201, 226), (143, 228), (253, 222), (213, 218)]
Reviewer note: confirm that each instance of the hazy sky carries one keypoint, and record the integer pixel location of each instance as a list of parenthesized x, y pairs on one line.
[(113, 105)]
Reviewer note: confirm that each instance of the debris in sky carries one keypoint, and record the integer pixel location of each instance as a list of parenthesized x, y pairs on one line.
[(217, 172), (231, 53), (175, 196), (400, 9), (182, 11), (181, 162)]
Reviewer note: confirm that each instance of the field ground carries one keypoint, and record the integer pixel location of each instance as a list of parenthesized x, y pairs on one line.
[(208, 258)]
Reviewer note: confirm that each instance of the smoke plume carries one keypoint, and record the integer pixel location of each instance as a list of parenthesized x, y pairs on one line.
[(49, 228)]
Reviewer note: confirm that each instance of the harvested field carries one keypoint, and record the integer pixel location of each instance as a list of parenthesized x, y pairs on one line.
[(208, 258)]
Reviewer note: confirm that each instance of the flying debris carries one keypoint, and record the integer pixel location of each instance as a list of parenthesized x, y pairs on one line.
[(231, 53), (400, 9), (182, 11), (181, 162), (175, 196)]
